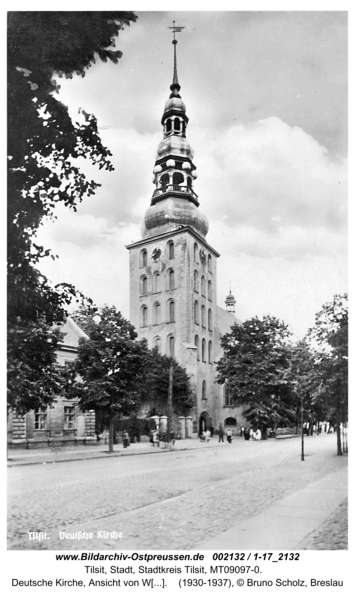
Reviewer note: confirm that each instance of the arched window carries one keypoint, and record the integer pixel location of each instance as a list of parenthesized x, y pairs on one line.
[(196, 281), (144, 316), (164, 180), (203, 350), (143, 258), (177, 124), (157, 343), (197, 344), (203, 316), (178, 178), (230, 422), (204, 390), (156, 283), (168, 125), (171, 311), (195, 252), (196, 319), (171, 346), (210, 319), (144, 285), (170, 250), (210, 358), (156, 313), (203, 285), (209, 263), (171, 279), (209, 289)]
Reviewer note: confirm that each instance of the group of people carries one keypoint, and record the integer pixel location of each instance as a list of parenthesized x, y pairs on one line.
[(156, 438), (250, 434)]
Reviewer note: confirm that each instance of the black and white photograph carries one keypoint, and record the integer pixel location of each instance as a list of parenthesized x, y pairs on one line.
[(177, 306)]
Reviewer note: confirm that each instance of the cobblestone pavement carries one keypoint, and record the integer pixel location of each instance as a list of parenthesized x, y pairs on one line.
[(332, 535), (162, 501)]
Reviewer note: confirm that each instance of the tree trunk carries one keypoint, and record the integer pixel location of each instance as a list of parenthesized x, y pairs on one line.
[(111, 430), (339, 450), (264, 432)]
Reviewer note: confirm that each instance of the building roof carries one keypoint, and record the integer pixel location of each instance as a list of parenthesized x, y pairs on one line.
[(72, 333), (225, 320)]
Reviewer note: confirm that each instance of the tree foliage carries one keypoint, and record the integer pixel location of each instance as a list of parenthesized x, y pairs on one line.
[(253, 368), (45, 147), (110, 365), (330, 333), (155, 392)]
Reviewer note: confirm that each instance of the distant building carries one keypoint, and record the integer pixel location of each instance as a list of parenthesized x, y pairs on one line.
[(63, 423), (173, 274)]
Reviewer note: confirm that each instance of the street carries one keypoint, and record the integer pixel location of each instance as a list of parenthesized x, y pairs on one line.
[(168, 500)]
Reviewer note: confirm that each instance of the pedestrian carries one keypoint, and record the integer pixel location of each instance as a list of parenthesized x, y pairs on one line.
[(220, 434), (257, 435), (246, 433), (211, 430), (125, 439), (251, 433), (229, 436), (208, 435), (155, 438), (172, 438), (241, 431)]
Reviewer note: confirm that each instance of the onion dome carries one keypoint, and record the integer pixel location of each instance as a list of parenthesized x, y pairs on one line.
[(172, 213), (230, 302)]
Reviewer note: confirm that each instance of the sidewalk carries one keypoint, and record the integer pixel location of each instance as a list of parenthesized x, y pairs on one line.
[(287, 522), (43, 455), (17, 457)]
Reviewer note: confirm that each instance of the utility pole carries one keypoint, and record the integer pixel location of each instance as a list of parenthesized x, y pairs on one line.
[(170, 403)]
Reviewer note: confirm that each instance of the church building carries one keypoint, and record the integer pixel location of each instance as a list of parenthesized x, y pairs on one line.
[(173, 274)]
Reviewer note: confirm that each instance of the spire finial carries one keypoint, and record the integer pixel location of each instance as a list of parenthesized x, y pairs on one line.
[(175, 87)]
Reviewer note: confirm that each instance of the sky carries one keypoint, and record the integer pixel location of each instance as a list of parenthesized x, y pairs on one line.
[(266, 95)]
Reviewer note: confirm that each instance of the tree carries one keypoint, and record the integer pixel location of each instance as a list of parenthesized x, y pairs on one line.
[(253, 368), (330, 333), (110, 364), (45, 152), (156, 387)]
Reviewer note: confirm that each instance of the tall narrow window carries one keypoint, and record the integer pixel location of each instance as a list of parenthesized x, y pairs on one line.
[(164, 180), (156, 283), (210, 319), (197, 344), (196, 319), (69, 417), (177, 124), (209, 289), (168, 125), (41, 419), (171, 250), (171, 346), (203, 350), (171, 279), (144, 285), (156, 313), (157, 343), (144, 316), (204, 390), (189, 182), (196, 281), (210, 357), (203, 285), (209, 263), (143, 258), (171, 311), (203, 316), (195, 252)]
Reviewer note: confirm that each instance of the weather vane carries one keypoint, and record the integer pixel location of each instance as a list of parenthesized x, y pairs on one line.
[(176, 29)]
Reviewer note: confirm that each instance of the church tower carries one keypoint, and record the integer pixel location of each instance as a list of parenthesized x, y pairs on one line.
[(173, 268)]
